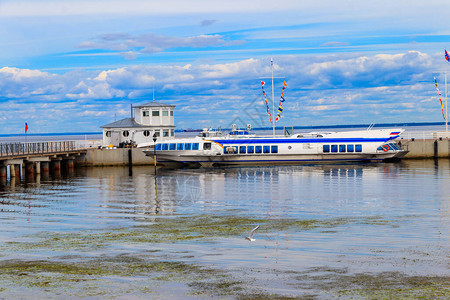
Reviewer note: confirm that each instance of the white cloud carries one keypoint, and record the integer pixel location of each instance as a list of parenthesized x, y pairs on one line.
[(358, 88)]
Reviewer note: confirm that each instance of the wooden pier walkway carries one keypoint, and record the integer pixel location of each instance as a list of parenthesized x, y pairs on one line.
[(37, 157)]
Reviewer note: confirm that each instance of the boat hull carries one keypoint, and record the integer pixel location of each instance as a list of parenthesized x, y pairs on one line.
[(236, 159)]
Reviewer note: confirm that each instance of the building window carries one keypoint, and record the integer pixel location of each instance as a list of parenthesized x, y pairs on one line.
[(145, 113), (165, 132), (108, 133), (172, 132), (126, 133), (157, 133), (165, 113), (171, 113), (146, 132), (326, 148), (155, 113)]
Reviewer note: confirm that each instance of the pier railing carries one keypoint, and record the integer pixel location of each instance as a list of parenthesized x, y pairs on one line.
[(10, 149)]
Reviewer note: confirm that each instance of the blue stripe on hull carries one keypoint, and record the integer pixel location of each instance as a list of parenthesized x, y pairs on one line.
[(295, 141)]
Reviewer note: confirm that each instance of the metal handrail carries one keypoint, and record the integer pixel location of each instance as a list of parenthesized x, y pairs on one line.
[(10, 149)]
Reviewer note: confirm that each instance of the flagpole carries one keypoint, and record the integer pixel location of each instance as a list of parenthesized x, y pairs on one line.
[(273, 100), (446, 109)]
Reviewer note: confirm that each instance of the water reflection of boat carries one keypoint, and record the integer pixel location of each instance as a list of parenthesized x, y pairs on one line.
[(242, 147)]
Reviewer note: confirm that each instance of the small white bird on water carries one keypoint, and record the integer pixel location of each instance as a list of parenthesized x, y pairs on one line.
[(250, 237)]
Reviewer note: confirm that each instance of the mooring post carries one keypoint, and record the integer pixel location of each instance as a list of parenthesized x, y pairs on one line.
[(436, 154), (130, 162)]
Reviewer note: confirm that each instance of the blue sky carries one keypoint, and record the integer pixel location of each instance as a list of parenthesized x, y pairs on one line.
[(73, 66)]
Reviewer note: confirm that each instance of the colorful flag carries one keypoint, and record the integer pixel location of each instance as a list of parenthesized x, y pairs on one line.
[(26, 127), (439, 93), (447, 57), (280, 106), (265, 100)]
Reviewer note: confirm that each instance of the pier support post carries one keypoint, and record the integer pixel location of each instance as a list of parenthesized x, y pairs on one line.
[(38, 167), (69, 164), (29, 170), (56, 167), (44, 167), (12, 171), (3, 172)]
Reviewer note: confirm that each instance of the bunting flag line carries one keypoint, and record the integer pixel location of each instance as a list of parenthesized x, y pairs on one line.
[(280, 106), (447, 57), (439, 93), (265, 100)]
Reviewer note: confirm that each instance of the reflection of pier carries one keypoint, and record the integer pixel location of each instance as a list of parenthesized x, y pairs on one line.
[(37, 158)]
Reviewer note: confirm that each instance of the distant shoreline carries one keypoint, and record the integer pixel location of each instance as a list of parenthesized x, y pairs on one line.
[(398, 124)]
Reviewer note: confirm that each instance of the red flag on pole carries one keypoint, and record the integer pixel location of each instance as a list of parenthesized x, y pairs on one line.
[(26, 127)]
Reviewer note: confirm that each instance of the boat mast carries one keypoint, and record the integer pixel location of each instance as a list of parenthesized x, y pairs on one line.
[(273, 100)]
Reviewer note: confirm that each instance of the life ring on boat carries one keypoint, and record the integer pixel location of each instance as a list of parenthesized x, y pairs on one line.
[(385, 148)]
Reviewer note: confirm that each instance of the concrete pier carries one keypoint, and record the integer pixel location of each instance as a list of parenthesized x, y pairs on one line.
[(426, 148)]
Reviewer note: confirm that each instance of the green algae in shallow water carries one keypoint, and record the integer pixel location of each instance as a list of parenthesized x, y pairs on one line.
[(178, 229), (108, 275), (385, 285)]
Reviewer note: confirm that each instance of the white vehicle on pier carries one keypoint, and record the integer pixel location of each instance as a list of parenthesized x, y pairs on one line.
[(241, 147)]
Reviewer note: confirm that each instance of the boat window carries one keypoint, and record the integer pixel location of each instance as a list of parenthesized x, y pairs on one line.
[(358, 148), (158, 147), (250, 149), (241, 133), (394, 146), (172, 146), (194, 146), (206, 146), (187, 146), (266, 149), (334, 148), (242, 149), (326, 148), (258, 149), (274, 149), (180, 146), (350, 148), (341, 148), (165, 146)]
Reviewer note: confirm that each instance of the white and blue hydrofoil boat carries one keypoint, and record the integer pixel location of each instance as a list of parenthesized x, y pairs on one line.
[(241, 147)]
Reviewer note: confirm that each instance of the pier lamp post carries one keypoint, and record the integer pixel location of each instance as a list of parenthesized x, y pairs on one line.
[(154, 150)]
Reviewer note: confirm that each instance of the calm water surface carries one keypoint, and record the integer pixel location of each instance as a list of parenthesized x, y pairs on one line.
[(373, 217)]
